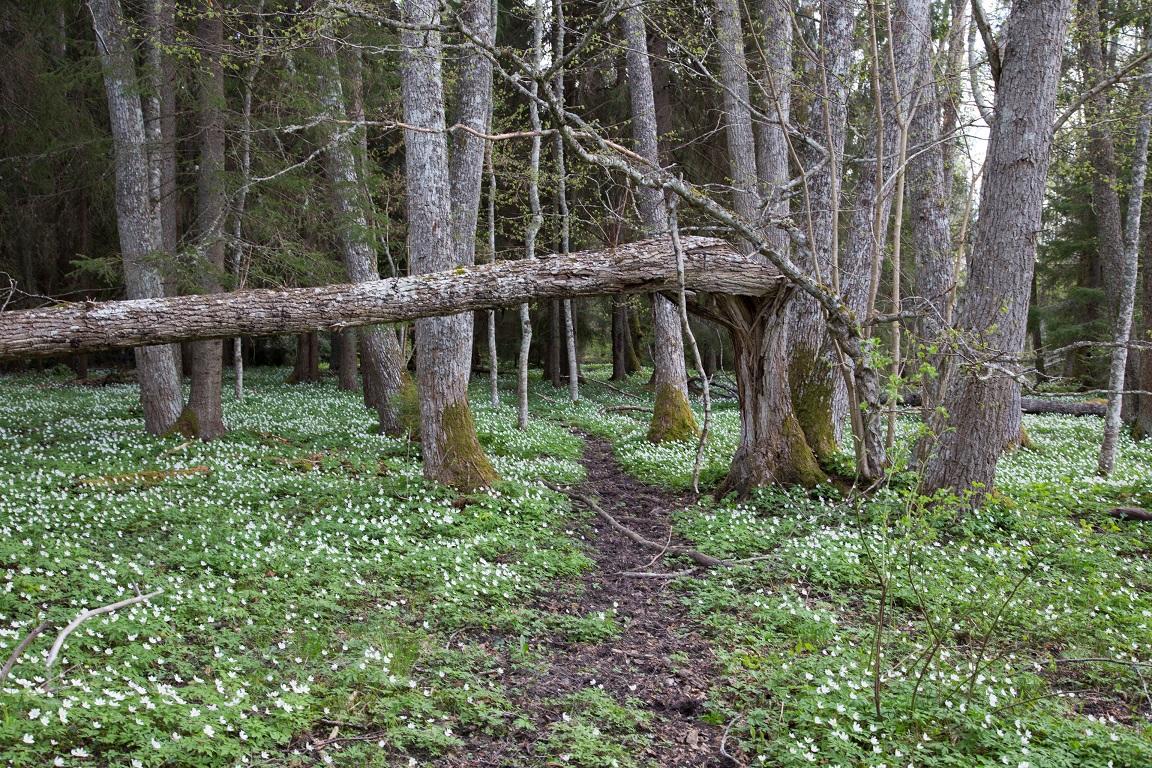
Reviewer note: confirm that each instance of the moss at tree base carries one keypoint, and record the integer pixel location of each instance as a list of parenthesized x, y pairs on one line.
[(810, 381), (787, 462), (464, 465), (187, 425), (672, 418)]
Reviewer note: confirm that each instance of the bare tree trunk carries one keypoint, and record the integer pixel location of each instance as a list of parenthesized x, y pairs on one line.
[(621, 346), (140, 240), (493, 373), (535, 219), (349, 380), (204, 416), (930, 192), (819, 390), (452, 453), (383, 361), (1126, 300), (552, 369), (1143, 426), (995, 310), (160, 125), (772, 446), (672, 417), (565, 221), (1102, 157)]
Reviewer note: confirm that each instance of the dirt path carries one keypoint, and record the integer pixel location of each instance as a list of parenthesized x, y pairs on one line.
[(637, 664)]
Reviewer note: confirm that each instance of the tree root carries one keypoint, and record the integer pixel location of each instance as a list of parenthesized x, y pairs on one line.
[(697, 557)]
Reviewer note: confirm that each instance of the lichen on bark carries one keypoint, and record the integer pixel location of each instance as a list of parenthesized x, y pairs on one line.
[(672, 417)]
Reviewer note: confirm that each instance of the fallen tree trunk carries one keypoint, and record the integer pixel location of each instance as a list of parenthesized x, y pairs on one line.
[(711, 265), (1035, 405)]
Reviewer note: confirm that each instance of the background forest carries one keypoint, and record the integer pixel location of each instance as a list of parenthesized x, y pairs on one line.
[(876, 274)]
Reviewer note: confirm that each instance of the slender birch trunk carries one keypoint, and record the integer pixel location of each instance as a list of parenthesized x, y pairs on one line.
[(1126, 301), (493, 362), (535, 218), (565, 221), (140, 238)]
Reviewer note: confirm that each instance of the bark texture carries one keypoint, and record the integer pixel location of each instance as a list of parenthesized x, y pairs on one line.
[(994, 314), (205, 412), (813, 370), (711, 266), (772, 448), (1126, 299), (139, 229), (672, 418), (383, 361), (452, 454)]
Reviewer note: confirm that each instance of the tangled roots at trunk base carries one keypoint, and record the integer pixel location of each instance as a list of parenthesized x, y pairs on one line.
[(785, 459), (672, 418)]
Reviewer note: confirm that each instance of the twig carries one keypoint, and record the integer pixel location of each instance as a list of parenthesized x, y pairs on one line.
[(614, 389), (724, 741), (697, 557), (76, 622), (1135, 665), (20, 649)]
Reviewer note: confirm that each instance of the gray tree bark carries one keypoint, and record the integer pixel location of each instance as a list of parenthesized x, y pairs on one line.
[(711, 266), (772, 446), (1102, 157), (814, 374), (383, 361), (452, 454), (930, 193), (204, 416), (140, 241), (995, 306), (672, 417), (1126, 299)]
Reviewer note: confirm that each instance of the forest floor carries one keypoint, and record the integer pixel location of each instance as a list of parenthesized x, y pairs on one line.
[(320, 603), (659, 664)]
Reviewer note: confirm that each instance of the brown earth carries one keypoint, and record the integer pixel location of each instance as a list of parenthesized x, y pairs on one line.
[(635, 665)]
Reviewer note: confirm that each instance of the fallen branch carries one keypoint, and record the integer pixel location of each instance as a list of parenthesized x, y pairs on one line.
[(697, 557), (614, 389), (83, 617), (148, 476), (616, 408), (724, 740), (650, 575), (20, 649)]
